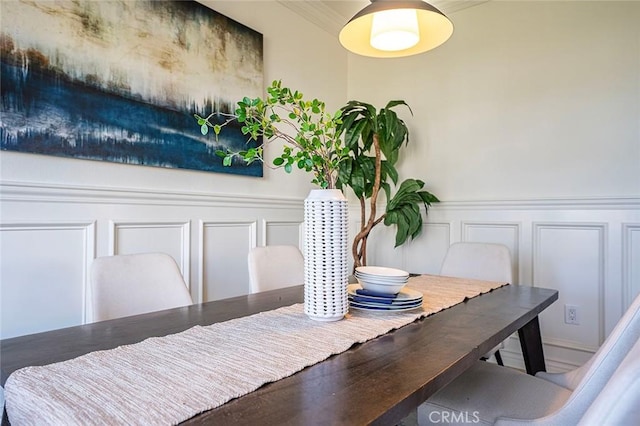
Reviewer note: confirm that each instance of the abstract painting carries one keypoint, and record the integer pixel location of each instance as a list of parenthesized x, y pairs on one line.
[(120, 81)]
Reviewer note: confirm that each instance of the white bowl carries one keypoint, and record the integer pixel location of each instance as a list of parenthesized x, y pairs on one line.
[(378, 287), (381, 271), (382, 279)]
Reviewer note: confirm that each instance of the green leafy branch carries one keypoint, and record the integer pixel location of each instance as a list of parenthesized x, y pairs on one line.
[(311, 135)]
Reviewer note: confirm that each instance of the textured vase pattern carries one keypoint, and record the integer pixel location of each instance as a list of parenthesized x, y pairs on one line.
[(325, 255)]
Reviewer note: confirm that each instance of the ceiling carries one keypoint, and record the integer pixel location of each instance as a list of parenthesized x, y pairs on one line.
[(331, 15)]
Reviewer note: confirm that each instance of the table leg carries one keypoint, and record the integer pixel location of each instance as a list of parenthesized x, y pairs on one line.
[(531, 344)]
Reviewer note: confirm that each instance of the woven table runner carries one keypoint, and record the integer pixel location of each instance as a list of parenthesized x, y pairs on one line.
[(166, 380)]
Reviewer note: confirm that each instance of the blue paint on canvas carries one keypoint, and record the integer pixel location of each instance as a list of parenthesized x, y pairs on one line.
[(49, 110)]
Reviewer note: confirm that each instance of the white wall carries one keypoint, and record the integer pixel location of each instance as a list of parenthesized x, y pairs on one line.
[(303, 56), (526, 100), (527, 125), (58, 214)]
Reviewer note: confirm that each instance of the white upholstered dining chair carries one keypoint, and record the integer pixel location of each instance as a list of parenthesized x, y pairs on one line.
[(489, 394), (482, 261), (619, 401), (272, 267), (135, 284)]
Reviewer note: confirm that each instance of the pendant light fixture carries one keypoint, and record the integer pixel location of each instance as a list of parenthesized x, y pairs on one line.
[(395, 28)]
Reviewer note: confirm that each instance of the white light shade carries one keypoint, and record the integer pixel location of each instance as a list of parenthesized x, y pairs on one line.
[(395, 29), (434, 28)]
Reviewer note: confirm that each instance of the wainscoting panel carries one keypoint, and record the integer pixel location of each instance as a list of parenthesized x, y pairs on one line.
[(381, 250), (570, 257), (282, 233), (588, 249), (172, 238), (224, 258), (426, 253), (43, 275), (497, 233), (631, 261)]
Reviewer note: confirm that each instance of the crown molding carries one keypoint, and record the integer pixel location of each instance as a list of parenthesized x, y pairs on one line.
[(319, 13), (327, 14)]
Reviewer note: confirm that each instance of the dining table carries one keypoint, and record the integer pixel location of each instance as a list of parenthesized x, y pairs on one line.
[(379, 382)]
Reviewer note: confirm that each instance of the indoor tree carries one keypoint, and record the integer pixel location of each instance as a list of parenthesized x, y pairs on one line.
[(374, 139)]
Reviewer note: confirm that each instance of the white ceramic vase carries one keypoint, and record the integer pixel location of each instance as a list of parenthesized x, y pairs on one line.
[(325, 255)]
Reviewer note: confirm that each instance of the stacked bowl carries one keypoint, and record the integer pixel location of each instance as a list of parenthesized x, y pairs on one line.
[(382, 280), (382, 289)]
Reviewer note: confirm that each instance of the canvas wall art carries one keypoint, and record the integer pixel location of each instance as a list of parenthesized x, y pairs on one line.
[(120, 80)]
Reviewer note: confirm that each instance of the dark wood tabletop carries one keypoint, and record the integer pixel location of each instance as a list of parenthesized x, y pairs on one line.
[(377, 382)]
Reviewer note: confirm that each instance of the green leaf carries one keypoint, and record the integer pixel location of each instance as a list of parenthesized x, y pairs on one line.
[(390, 171), (402, 230), (428, 197), (410, 185), (414, 219), (344, 171), (227, 161), (392, 104), (287, 168), (417, 230), (348, 120), (354, 133), (278, 161), (357, 180), (204, 129), (391, 218), (387, 189)]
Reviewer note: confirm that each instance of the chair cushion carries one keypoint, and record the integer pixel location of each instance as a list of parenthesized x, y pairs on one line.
[(486, 392)]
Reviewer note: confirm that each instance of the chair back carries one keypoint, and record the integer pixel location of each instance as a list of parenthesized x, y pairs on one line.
[(482, 261), (134, 284), (598, 372), (604, 363), (272, 267), (619, 401)]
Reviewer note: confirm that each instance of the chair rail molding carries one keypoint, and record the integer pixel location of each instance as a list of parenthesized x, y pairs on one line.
[(65, 193), (60, 193)]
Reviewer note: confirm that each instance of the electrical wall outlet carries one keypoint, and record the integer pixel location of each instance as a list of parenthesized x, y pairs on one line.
[(571, 315)]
